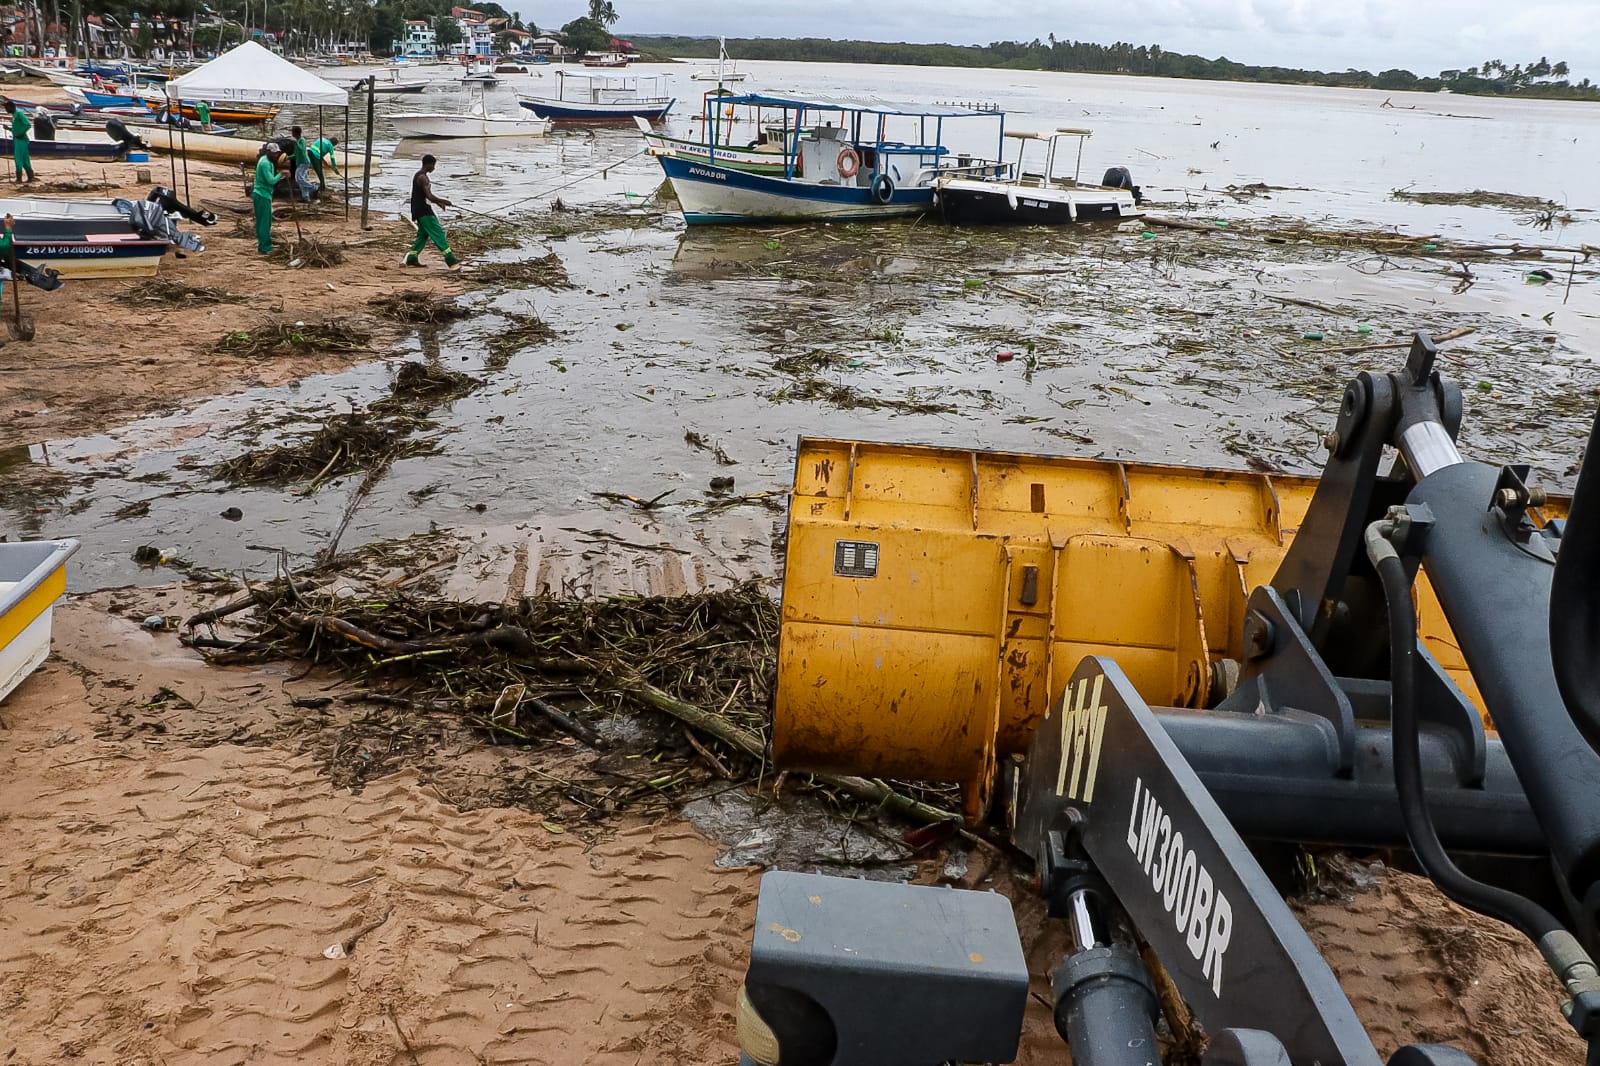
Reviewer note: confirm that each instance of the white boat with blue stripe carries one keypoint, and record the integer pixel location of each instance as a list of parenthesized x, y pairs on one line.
[(853, 160)]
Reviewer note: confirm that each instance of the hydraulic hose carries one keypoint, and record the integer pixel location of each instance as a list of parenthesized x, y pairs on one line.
[(1533, 920), (1575, 600)]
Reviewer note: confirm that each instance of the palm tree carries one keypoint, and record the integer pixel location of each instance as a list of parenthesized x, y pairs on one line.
[(603, 12)]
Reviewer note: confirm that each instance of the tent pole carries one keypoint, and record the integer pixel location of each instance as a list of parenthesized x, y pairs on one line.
[(366, 165), (172, 156), (345, 170), (183, 146)]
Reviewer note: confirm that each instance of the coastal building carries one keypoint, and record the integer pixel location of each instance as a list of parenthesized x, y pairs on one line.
[(419, 40)]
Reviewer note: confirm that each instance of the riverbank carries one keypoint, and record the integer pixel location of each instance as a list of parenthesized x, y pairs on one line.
[(122, 349)]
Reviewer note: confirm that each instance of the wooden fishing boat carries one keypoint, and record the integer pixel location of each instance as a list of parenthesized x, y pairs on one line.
[(58, 208), (582, 96), (33, 577), (240, 114), (764, 158), (72, 147), (851, 171), (215, 149), (95, 255)]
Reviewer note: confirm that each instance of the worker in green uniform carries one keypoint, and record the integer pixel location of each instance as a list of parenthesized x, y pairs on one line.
[(21, 130), (267, 178), (302, 165), (429, 227), (325, 150), (7, 257), (203, 113)]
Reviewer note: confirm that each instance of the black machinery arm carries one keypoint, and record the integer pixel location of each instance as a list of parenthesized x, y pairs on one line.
[(1575, 599)]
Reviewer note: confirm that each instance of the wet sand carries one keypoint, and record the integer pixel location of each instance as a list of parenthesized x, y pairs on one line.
[(100, 359)]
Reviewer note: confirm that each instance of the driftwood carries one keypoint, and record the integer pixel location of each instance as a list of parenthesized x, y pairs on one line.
[(871, 790), (240, 603), (509, 639)]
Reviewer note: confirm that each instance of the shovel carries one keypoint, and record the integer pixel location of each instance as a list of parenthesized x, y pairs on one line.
[(21, 328)]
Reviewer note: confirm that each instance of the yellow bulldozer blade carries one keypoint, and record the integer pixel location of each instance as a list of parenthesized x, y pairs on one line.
[(936, 599)]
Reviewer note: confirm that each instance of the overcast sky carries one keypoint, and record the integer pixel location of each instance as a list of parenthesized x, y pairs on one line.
[(1424, 36)]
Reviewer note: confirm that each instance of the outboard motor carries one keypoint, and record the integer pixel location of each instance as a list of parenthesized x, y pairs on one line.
[(44, 127), (118, 131), (1122, 178)]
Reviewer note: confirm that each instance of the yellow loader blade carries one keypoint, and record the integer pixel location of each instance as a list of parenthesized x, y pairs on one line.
[(936, 599)]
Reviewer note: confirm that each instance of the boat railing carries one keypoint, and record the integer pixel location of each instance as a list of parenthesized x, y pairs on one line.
[(977, 169)]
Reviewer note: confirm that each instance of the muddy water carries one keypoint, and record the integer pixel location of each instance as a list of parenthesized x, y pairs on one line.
[(1178, 348)]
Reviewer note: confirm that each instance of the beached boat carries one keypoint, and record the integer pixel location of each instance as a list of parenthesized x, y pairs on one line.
[(605, 60), (583, 96), (59, 208), (477, 122), (230, 149), (71, 146), (61, 78), (95, 255), (33, 577), (766, 157), (512, 68), (1040, 198), (851, 171), (239, 114)]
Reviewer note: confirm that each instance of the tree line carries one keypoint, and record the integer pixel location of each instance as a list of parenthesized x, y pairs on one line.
[(1493, 77)]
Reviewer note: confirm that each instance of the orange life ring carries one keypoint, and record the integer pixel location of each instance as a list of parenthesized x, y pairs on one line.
[(849, 162)]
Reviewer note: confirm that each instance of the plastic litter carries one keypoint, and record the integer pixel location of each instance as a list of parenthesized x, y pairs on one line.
[(1313, 335), (1003, 356)]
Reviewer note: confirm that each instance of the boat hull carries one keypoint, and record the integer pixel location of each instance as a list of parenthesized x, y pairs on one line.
[(465, 126), (567, 111), (978, 203), (33, 577), (748, 160), (54, 208), (94, 258), (712, 194), (59, 149)]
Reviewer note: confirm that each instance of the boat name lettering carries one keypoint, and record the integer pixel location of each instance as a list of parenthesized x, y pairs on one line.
[(701, 172)]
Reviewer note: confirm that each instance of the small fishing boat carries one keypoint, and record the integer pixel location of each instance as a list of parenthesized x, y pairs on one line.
[(59, 208), (477, 122), (605, 60), (73, 146), (764, 157), (480, 74), (94, 255), (725, 72), (582, 96), (852, 171), (512, 68), (33, 577), (231, 149), (1040, 198), (61, 78)]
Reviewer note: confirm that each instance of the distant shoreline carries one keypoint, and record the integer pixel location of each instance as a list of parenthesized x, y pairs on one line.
[(1539, 81)]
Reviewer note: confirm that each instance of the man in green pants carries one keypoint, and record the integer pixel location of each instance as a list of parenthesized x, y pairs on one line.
[(267, 177), (325, 150), (428, 225), (21, 129)]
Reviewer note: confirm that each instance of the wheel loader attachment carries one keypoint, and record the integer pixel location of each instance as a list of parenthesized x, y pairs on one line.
[(1104, 783), (935, 598)]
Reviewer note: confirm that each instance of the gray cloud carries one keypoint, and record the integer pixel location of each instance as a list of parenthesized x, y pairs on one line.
[(1421, 35)]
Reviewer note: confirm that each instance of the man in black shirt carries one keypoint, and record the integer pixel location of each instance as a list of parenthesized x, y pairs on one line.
[(428, 226)]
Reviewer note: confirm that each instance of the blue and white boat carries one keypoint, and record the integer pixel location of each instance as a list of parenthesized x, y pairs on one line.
[(844, 165), (589, 96)]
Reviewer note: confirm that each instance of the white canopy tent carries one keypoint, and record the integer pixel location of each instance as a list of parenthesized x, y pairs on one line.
[(250, 73)]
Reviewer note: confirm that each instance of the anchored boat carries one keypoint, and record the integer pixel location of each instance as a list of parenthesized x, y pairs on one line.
[(583, 96), (850, 171), (477, 122), (1040, 198)]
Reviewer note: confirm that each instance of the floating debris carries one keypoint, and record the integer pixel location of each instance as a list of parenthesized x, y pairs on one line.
[(522, 331), (343, 444), (413, 306), (546, 271), (425, 384)]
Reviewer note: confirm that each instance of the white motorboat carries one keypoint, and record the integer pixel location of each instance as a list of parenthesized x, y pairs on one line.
[(477, 122), (1027, 197), (725, 72), (58, 209)]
